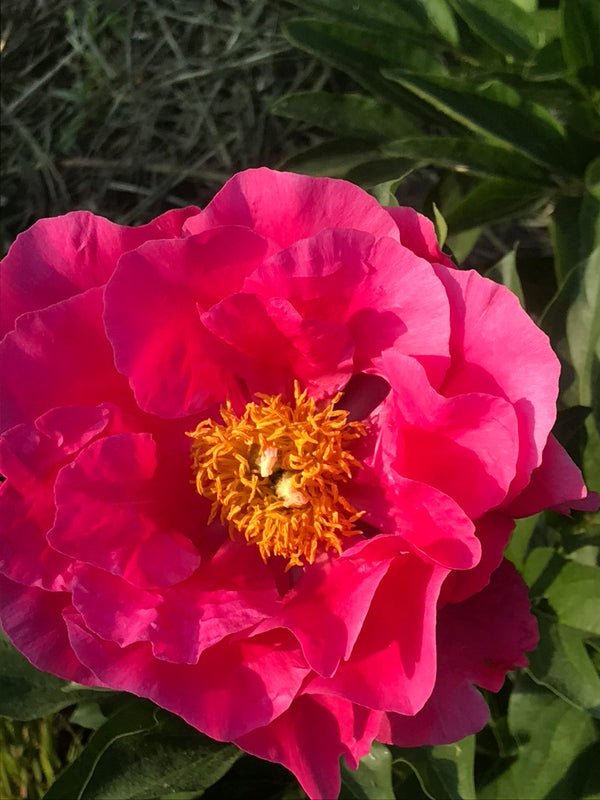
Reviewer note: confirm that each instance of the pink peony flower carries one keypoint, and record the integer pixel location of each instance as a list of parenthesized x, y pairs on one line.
[(262, 461)]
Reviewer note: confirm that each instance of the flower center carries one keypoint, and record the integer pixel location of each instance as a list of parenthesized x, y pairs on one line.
[(273, 473)]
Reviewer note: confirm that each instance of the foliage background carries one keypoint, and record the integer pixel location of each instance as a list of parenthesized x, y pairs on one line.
[(483, 114)]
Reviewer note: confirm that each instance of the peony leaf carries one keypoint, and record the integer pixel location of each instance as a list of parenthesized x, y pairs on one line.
[(26, 693), (562, 664), (143, 752), (373, 778), (506, 27), (445, 772), (556, 748), (572, 589)]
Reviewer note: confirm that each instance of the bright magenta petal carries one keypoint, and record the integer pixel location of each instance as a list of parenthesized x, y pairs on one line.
[(174, 366), (235, 687), (63, 256), (33, 621), (285, 207), (556, 482), (310, 737), (109, 514), (479, 640), (418, 234), (497, 349), (401, 652)]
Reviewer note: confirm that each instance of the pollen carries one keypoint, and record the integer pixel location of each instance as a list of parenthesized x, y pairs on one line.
[(275, 474)]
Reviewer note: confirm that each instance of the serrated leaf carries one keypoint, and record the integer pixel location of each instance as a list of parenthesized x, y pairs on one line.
[(561, 663), (581, 34), (469, 155), (26, 693), (372, 780), (346, 115), (555, 741), (506, 27), (501, 116), (445, 772), (494, 200), (141, 753)]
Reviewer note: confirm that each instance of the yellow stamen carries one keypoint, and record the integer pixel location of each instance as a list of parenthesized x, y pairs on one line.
[(273, 473)]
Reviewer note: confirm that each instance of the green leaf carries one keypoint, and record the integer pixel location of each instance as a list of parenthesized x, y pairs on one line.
[(505, 272), (334, 158), (583, 326), (581, 34), (380, 170), (441, 227), (496, 112), (556, 748), (376, 15), (561, 663), (346, 115), (143, 752), (442, 19), (592, 178), (518, 546), (445, 772), (494, 200), (26, 693), (469, 155), (571, 588), (372, 780), (504, 26)]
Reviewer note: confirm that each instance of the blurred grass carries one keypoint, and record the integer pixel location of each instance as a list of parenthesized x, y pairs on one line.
[(128, 108)]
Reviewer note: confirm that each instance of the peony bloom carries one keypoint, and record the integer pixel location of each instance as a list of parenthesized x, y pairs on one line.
[(262, 461)]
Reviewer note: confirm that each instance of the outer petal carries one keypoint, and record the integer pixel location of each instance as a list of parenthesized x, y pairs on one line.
[(498, 350), (418, 234), (235, 687), (32, 619), (386, 295), (465, 446), (401, 652), (60, 357), (62, 256), (556, 482), (285, 207), (112, 512), (174, 366), (479, 640), (309, 738)]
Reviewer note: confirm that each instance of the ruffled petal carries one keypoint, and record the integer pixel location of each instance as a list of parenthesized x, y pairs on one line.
[(497, 349), (417, 233), (60, 257), (557, 483), (401, 652), (110, 512), (285, 207), (235, 687), (479, 640), (174, 366)]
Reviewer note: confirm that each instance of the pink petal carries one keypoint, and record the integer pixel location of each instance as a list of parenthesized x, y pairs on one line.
[(235, 687), (170, 280), (479, 640), (465, 446), (309, 738), (326, 609), (417, 233), (60, 357), (63, 256), (556, 482), (285, 207), (386, 295), (281, 345), (398, 648), (497, 349), (32, 620), (110, 512), (430, 523)]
